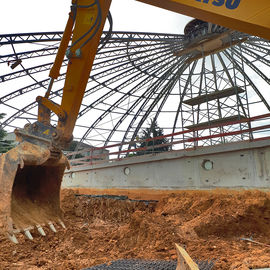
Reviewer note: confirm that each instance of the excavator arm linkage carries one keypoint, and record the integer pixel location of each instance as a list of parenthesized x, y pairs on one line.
[(31, 173)]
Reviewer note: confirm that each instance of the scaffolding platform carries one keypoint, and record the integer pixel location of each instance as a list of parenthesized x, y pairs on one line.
[(214, 95), (216, 122)]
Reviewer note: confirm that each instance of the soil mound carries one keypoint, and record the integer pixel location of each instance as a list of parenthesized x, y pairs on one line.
[(210, 225)]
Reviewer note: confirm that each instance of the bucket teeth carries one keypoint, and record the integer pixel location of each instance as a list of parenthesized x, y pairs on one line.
[(40, 230), (28, 234), (62, 224), (52, 226), (13, 238)]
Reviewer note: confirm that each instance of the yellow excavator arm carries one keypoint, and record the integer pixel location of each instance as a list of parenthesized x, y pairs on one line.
[(89, 20), (31, 173)]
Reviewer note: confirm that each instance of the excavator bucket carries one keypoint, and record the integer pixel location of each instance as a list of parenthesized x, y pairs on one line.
[(30, 182)]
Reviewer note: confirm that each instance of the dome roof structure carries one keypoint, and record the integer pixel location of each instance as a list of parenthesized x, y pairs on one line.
[(207, 76)]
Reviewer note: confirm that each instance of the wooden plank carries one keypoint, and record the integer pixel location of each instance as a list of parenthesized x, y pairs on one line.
[(214, 95), (184, 261)]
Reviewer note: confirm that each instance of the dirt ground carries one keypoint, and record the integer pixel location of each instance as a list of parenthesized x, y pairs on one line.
[(209, 225)]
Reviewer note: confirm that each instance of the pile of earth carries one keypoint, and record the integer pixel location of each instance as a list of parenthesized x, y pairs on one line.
[(230, 227)]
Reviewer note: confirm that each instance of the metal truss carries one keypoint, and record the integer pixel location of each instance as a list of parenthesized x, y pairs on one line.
[(30, 38), (141, 76)]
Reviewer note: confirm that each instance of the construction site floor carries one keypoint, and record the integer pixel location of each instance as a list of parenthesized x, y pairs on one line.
[(229, 227)]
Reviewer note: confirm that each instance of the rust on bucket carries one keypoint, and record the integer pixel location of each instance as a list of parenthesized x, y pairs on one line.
[(30, 182)]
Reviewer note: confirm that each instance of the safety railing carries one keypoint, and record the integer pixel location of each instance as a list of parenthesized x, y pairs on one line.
[(256, 128)]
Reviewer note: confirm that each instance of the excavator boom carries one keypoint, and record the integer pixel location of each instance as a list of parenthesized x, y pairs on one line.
[(31, 173)]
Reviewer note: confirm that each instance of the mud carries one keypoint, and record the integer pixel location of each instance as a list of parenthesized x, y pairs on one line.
[(210, 225)]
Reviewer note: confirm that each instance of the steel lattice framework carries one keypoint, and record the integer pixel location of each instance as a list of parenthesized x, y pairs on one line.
[(206, 76)]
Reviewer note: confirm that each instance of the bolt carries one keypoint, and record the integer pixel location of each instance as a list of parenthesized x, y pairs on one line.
[(38, 99), (68, 54), (78, 53)]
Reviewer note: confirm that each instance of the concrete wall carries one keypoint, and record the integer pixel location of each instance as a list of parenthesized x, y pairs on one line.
[(236, 165)]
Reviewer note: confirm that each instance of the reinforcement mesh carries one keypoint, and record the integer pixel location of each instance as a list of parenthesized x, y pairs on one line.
[(135, 264)]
